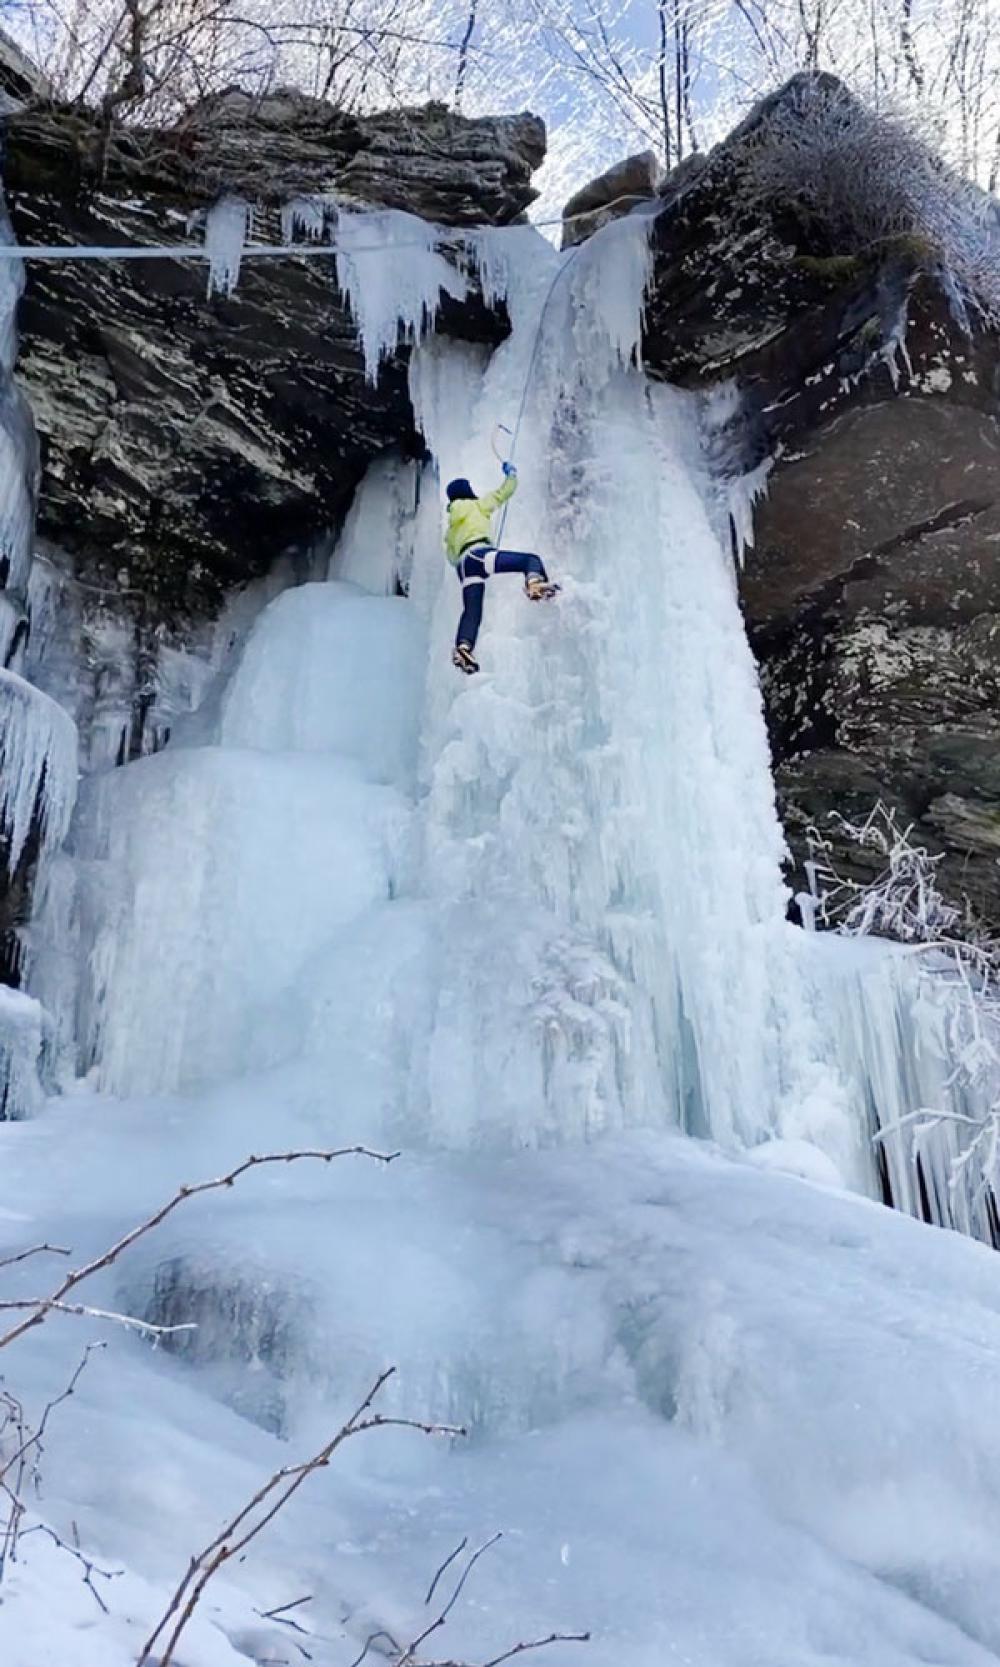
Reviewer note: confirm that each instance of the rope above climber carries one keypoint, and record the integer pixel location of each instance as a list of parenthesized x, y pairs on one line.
[(472, 552)]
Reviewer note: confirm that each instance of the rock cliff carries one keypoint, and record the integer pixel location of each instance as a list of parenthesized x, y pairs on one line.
[(867, 387), (187, 440)]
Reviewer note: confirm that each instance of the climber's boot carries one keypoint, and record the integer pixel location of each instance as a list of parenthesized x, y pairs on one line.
[(537, 589), (463, 659)]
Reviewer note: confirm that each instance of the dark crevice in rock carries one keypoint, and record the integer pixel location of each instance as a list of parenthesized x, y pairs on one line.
[(954, 515), (15, 896)]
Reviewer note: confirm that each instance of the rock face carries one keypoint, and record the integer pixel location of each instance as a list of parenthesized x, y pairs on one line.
[(614, 193), (872, 593), (187, 441)]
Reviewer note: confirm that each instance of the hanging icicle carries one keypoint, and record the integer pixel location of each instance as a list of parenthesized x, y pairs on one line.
[(226, 227)]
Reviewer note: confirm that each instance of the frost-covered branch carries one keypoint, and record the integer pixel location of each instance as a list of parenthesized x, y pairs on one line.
[(870, 179), (409, 1655), (145, 1327), (959, 960)]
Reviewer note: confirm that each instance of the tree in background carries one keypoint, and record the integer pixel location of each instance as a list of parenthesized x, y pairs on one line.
[(608, 75)]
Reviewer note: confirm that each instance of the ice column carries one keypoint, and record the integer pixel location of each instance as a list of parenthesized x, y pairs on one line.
[(226, 226), (601, 836)]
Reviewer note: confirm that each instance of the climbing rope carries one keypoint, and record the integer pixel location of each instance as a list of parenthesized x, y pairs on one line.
[(515, 432)]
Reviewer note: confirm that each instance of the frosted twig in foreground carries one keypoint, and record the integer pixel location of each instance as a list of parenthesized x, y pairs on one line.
[(439, 1620), (261, 1510), (89, 1567), (129, 1321), (36, 1250), (24, 1462), (43, 1306), (407, 1655)]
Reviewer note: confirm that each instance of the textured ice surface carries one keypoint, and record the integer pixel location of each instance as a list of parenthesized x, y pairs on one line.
[(215, 874), (324, 671)]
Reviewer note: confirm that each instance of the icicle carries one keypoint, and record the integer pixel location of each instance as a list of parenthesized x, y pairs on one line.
[(392, 277), (742, 494), (308, 218), (226, 226), (38, 765), (510, 262), (610, 273), (374, 549), (17, 442), (10, 617)]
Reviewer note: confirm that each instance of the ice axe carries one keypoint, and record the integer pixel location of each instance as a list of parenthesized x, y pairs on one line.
[(496, 442)]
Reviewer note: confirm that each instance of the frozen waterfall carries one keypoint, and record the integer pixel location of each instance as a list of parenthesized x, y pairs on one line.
[(529, 929), (580, 850)]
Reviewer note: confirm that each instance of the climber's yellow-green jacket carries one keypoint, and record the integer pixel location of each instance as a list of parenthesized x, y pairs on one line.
[(470, 518)]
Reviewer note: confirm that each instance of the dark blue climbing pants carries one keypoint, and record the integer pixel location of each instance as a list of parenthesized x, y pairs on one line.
[(475, 567)]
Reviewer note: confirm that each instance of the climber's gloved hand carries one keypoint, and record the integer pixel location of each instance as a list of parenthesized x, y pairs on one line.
[(509, 469)]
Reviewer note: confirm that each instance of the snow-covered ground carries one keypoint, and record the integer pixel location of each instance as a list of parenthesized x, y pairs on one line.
[(529, 930), (721, 1417)]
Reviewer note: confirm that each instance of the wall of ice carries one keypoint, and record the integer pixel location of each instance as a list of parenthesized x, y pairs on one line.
[(523, 910)]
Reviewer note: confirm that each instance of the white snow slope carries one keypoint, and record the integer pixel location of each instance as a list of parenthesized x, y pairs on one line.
[(529, 930)]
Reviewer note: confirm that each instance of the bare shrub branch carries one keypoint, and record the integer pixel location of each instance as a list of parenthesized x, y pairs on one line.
[(408, 1655), (43, 1306), (22, 1466), (36, 1250), (261, 1510), (89, 1567)]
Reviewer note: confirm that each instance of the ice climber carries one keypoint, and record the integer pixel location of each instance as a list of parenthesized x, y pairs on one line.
[(475, 558)]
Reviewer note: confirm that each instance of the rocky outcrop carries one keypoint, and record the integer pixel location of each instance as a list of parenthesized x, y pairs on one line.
[(187, 440), (870, 391), (614, 193)]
